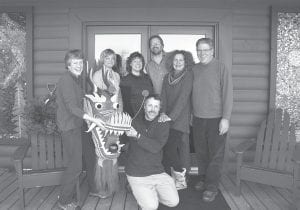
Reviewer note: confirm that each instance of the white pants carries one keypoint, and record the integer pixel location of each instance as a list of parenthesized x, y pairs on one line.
[(151, 190)]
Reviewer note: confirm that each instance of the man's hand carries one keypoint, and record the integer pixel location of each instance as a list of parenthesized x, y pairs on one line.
[(164, 118), (132, 132), (223, 126)]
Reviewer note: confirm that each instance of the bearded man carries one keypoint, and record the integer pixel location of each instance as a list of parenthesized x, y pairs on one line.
[(143, 167)]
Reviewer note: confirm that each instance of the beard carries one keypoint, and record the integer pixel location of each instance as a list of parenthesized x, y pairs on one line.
[(156, 51)]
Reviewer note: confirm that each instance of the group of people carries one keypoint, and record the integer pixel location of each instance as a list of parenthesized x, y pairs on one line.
[(164, 98)]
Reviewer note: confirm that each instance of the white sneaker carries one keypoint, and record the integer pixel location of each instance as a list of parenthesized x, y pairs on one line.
[(70, 206), (180, 180)]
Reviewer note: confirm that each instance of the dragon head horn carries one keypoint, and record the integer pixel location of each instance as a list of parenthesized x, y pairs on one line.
[(92, 81)]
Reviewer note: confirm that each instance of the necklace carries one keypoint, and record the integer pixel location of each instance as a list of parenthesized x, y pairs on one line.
[(173, 81)]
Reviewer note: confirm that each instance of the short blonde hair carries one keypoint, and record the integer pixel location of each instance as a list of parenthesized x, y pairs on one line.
[(104, 54), (73, 54)]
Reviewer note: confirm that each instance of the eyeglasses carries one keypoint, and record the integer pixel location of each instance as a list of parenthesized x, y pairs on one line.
[(204, 51)]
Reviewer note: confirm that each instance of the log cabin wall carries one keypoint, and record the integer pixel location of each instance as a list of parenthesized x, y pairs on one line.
[(250, 64), (51, 41), (251, 73)]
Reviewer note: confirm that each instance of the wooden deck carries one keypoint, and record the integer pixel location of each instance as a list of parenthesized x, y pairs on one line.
[(253, 196)]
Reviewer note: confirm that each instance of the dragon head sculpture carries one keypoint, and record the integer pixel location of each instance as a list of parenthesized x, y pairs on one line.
[(104, 105)]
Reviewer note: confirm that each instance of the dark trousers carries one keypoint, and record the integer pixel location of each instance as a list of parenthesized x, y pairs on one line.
[(73, 153), (89, 157), (209, 147), (184, 152), (171, 151)]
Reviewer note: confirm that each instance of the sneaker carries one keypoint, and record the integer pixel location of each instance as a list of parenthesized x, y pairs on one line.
[(70, 206), (98, 195), (180, 180), (209, 196), (200, 186)]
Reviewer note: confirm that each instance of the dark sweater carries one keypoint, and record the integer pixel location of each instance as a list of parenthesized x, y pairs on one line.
[(176, 101), (132, 87), (144, 155), (69, 98), (212, 95)]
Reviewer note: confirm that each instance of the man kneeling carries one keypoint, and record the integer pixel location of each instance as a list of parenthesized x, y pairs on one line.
[(149, 183)]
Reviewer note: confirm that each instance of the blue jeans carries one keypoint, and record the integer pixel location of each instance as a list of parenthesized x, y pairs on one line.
[(209, 147), (151, 190)]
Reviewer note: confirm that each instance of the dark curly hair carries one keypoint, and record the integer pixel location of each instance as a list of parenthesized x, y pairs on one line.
[(188, 60), (131, 57)]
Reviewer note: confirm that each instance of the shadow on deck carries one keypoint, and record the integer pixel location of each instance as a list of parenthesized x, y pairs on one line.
[(253, 196)]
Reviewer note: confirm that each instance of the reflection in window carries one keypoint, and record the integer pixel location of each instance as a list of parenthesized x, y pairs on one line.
[(12, 74), (122, 44), (181, 42), (288, 65)]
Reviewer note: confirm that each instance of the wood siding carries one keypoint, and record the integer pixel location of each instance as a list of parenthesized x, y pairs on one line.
[(51, 41), (250, 63), (250, 70)]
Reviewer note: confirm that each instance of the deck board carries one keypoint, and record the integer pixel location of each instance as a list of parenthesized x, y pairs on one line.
[(276, 197), (9, 186), (263, 197), (50, 201), (40, 197), (104, 204), (238, 200), (228, 197), (253, 196), (130, 203)]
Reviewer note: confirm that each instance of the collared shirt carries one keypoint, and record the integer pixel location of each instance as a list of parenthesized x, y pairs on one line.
[(157, 73)]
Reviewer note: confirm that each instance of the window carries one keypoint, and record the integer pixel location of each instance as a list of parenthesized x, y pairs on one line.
[(127, 39)]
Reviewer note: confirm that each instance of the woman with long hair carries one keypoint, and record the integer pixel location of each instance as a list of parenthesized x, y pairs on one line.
[(176, 108), (106, 179), (105, 77)]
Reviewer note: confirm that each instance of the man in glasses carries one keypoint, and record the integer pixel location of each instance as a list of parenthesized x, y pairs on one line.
[(212, 100)]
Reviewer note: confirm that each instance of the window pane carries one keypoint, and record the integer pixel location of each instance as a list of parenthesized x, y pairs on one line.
[(181, 42), (122, 44)]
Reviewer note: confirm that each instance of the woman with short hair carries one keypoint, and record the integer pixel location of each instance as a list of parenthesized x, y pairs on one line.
[(136, 84)]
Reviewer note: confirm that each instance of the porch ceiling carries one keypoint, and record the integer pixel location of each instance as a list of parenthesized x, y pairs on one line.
[(153, 3)]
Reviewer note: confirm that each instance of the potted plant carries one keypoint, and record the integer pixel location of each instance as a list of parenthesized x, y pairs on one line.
[(40, 120)]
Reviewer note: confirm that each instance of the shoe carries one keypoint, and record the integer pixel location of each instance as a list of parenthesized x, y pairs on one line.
[(209, 196), (98, 195), (70, 206), (200, 186), (179, 178)]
